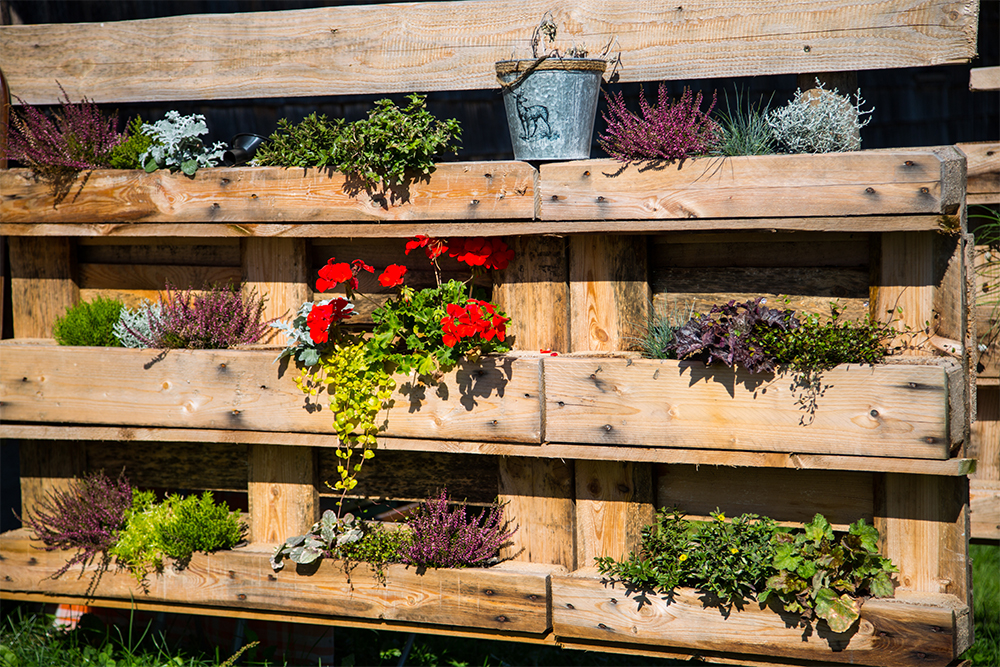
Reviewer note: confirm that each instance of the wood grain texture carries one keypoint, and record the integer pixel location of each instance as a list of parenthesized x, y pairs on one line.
[(984, 78), (890, 632), (128, 230), (863, 183), (453, 45), (534, 291), (153, 277), (896, 411), (213, 466), (614, 501), (507, 599), (984, 510), (782, 460), (791, 497), (43, 283), (278, 271), (609, 292), (983, 184), (272, 195), (244, 390), (986, 435), (540, 497), (987, 310), (902, 292), (283, 492), (48, 467)]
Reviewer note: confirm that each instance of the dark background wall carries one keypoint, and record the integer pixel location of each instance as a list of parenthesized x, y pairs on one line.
[(913, 107)]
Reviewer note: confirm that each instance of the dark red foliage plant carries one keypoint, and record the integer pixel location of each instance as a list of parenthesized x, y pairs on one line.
[(86, 516), (448, 537), (75, 138), (669, 130)]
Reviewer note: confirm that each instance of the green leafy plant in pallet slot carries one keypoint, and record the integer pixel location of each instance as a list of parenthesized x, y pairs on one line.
[(378, 149), (89, 323), (126, 154), (175, 528), (811, 572), (420, 331)]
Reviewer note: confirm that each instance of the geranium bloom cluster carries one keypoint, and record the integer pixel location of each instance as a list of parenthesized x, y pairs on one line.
[(475, 318), (324, 315), (479, 251)]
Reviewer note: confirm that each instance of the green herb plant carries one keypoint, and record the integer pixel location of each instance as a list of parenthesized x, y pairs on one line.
[(822, 575), (811, 571), (377, 150), (175, 529), (126, 154), (89, 323)]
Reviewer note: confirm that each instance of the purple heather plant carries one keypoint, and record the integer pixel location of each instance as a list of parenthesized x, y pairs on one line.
[(443, 537), (731, 334), (215, 318), (667, 131), (86, 516), (77, 137)]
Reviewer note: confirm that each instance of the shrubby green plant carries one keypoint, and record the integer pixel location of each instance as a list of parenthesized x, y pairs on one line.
[(89, 323), (176, 145), (126, 154), (174, 528), (811, 571), (819, 121), (378, 149)]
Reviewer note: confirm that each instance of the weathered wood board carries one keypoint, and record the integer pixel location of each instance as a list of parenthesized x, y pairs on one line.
[(983, 157), (453, 191), (453, 45), (862, 183), (897, 411), (497, 399), (510, 599), (896, 631)]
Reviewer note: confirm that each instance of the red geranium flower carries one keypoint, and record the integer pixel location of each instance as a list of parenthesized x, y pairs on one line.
[(491, 253), (475, 318), (392, 276), (322, 317), (332, 275), (433, 247)]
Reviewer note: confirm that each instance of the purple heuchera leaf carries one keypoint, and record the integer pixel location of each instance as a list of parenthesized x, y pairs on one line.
[(86, 516), (443, 537), (726, 335), (668, 131)]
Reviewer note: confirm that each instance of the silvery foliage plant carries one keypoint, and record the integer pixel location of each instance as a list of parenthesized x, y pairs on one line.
[(136, 321), (177, 146), (820, 121), (324, 538)]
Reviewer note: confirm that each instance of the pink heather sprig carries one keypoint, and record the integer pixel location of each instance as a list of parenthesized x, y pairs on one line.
[(218, 318), (443, 537), (668, 131), (77, 137), (87, 516)]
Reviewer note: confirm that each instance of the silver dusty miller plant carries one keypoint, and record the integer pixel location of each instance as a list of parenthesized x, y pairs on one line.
[(324, 539), (177, 146), (135, 321), (819, 121)]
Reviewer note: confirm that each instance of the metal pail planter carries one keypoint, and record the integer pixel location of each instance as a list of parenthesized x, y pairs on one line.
[(551, 110)]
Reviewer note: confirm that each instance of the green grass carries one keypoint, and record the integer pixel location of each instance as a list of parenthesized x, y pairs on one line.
[(985, 652)]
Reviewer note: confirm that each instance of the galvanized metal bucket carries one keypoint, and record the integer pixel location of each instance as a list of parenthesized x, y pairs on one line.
[(551, 106)]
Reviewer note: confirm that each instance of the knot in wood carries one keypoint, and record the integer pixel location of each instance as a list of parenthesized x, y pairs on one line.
[(501, 619)]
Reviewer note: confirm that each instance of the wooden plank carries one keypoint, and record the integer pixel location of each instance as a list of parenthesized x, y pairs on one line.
[(681, 306), (454, 191), (798, 250), (497, 398), (166, 251), (986, 435), (153, 277), (864, 183), (242, 579), (984, 78), (276, 269), (983, 185), (791, 497), (896, 411), (453, 45), (890, 632), (48, 467), (283, 492), (43, 283), (609, 292), (984, 510), (987, 310), (614, 500), (540, 497), (791, 461), (534, 292), (129, 230), (903, 291), (213, 466)]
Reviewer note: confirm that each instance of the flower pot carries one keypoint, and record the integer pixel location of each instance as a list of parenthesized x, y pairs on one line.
[(551, 106)]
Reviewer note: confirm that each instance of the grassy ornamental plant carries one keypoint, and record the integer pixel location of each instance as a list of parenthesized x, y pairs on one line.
[(743, 128), (90, 323), (421, 331), (668, 130), (812, 571)]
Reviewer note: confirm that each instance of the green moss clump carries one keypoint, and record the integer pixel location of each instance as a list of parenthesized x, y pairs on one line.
[(175, 528), (89, 323), (126, 154)]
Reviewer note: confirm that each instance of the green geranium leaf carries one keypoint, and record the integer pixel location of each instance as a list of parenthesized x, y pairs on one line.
[(840, 613), (881, 585)]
